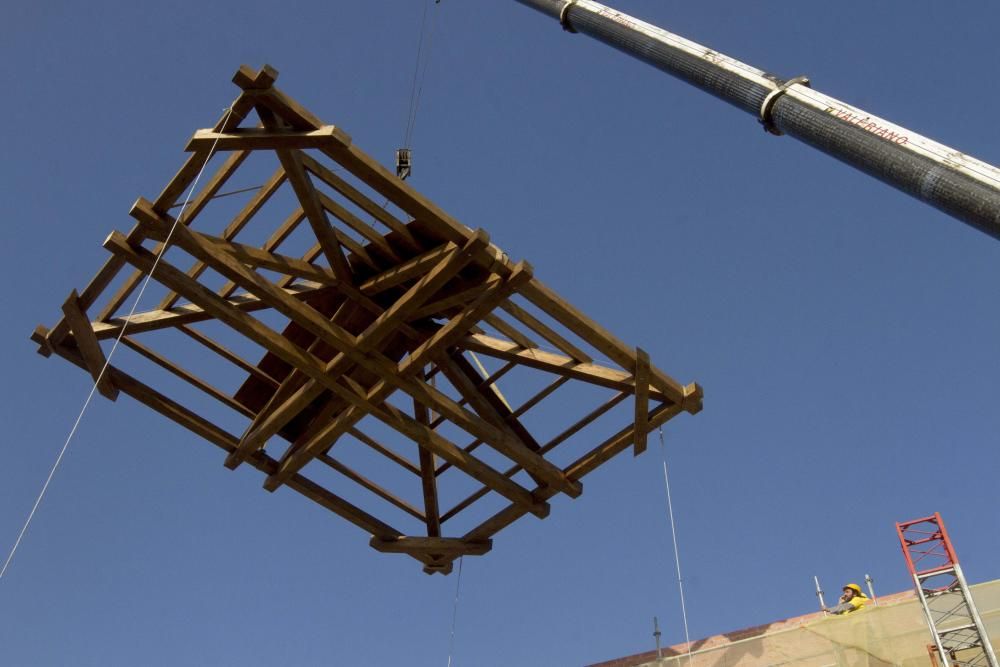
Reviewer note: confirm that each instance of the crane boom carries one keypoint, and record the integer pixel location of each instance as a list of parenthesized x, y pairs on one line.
[(961, 186)]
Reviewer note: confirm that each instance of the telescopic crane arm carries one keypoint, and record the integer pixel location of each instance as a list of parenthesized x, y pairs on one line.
[(943, 177)]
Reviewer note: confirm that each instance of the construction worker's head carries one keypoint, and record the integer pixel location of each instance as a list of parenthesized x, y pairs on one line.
[(853, 590)]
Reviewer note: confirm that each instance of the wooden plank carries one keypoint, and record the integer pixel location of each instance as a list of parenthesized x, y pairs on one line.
[(371, 486), (361, 201), (251, 208), (190, 212), (428, 483), (88, 296), (273, 242), (186, 376), (87, 343), (227, 354), (641, 400), (315, 214), (432, 545), (519, 445), (405, 271), (190, 313), (360, 226), (383, 450), (547, 447), (213, 434), (554, 363), (249, 255), (509, 331), (256, 139), (689, 397), (546, 332)]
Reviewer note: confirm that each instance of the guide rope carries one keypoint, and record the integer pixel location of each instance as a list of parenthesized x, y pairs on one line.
[(673, 533), (454, 613), (107, 362)]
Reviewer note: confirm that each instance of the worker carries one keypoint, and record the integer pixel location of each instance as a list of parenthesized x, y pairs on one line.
[(852, 600)]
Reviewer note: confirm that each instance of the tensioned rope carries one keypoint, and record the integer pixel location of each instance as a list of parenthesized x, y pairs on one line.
[(673, 533), (454, 613), (107, 362)]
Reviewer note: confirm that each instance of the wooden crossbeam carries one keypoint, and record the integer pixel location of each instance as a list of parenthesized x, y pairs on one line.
[(273, 242), (555, 363), (256, 139), (189, 313), (190, 212), (432, 545), (545, 331), (227, 354), (641, 400), (361, 201), (90, 348), (366, 483), (237, 224), (428, 483), (315, 214), (689, 398), (186, 376), (519, 445)]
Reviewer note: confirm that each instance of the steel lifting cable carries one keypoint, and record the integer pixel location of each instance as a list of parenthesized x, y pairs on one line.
[(677, 555), (107, 362)]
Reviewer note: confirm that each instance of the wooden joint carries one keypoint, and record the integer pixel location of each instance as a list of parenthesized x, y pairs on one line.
[(248, 79), (41, 336)]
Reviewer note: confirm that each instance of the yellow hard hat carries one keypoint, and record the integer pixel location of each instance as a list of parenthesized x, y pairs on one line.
[(855, 588)]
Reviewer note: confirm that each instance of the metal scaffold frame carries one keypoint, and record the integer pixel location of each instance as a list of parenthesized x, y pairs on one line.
[(956, 627)]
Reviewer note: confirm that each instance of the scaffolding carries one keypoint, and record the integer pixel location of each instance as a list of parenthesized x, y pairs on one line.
[(959, 635)]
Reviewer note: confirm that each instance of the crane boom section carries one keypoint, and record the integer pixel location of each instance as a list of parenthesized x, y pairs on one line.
[(958, 184)]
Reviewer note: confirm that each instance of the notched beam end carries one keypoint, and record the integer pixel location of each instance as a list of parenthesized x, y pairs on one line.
[(693, 395), (248, 78), (41, 336)]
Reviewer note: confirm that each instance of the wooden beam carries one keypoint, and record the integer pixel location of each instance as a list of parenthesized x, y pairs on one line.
[(186, 376), (251, 208), (689, 397), (371, 486), (361, 201), (518, 445), (406, 271), (360, 226), (90, 348), (190, 313), (309, 199), (428, 482), (546, 332), (255, 139), (641, 400), (555, 363), (432, 545), (273, 243), (227, 354)]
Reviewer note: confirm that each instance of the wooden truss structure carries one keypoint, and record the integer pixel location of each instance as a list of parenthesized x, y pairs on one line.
[(373, 324)]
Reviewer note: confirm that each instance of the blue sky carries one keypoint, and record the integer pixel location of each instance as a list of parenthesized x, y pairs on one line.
[(846, 335)]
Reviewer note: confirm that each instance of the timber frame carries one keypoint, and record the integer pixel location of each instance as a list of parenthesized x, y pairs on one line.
[(387, 314)]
